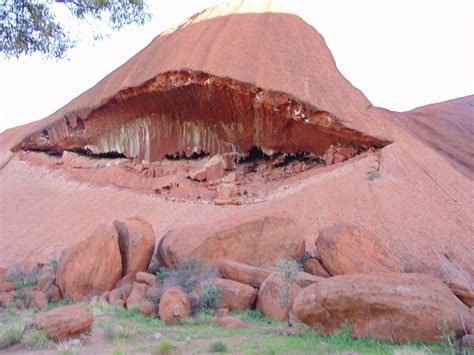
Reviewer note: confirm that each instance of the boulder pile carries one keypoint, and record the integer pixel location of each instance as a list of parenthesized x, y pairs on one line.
[(351, 278)]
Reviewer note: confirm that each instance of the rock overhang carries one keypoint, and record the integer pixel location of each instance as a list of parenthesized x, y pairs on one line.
[(184, 113)]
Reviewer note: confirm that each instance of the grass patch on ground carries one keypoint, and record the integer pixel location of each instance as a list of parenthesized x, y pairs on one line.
[(126, 331), (35, 339), (11, 334), (120, 332), (263, 336), (310, 341), (131, 314)]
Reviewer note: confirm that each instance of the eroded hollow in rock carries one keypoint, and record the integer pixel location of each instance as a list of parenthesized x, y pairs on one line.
[(191, 114), (191, 135)]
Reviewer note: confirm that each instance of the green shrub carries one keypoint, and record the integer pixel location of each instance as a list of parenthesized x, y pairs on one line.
[(218, 347), (11, 334), (23, 279), (373, 175), (163, 274), (164, 347), (189, 274), (210, 296), (36, 339), (53, 263)]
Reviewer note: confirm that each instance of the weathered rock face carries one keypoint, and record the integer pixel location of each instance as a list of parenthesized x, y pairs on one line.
[(464, 294), (46, 280), (149, 279), (137, 242), (137, 294), (6, 298), (7, 286), (213, 169), (147, 308), (38, 299), (186, 112), (314, 267), (64, 322), (175, 305), (92, 266), (389, 306), (243, 273), (348, 249), (260, 242)]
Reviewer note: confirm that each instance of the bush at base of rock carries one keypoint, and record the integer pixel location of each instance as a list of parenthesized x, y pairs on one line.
[(234, 295), (189, 274), (270, 298), (400, 307)]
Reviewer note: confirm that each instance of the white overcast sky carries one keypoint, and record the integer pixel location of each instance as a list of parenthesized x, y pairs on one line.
[(401, 54)]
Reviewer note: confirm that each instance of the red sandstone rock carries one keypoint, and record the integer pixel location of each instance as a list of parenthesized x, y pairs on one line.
[(261, 242), (120, 303), (137, 294), (3, 274), (128, 279), (271, 301), (348, 249), (304, 279), (226, 194), (137, 242), (93, 265), (120, 293), (147, 278), (46, 280), (6, 298), (104, 297), (234, 295), (147, 308), (54, 294), (314, 267), (465, 295), (228, 322), (7, 286), (246, 274), (214, 169), (399, 307), (38, 299), (175, 305), (64, 322)]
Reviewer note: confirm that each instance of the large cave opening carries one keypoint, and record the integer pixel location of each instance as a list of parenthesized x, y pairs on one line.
[(194, 116)]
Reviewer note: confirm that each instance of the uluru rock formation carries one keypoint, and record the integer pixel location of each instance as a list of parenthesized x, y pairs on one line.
[(261, 90)]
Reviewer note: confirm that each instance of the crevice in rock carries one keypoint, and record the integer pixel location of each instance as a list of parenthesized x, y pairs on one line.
[(90, 154), (183, 156)]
